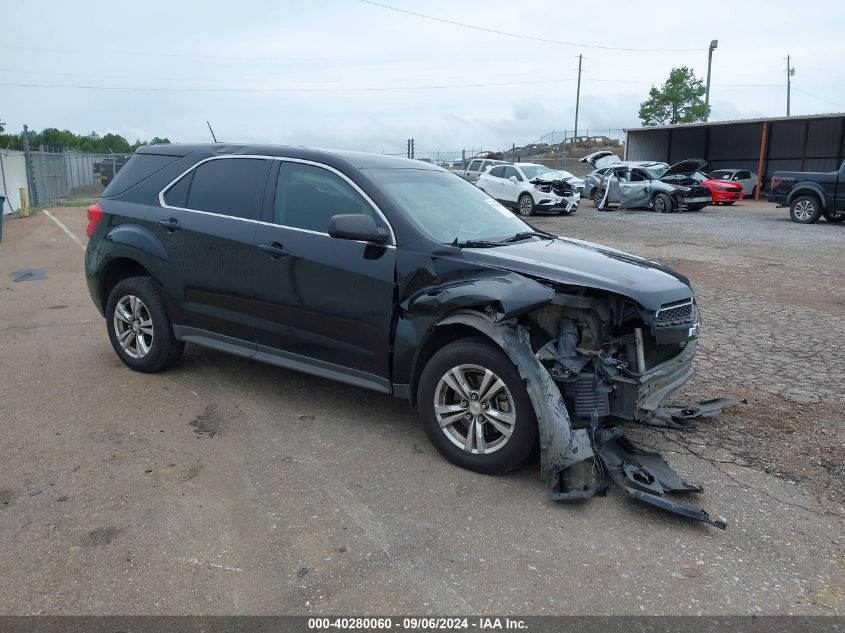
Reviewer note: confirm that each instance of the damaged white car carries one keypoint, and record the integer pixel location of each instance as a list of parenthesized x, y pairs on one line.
[(530, 188)]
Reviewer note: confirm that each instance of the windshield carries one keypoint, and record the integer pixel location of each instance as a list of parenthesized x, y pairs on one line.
[(656, 171), (532, 171), (446, 207), (721, 175)]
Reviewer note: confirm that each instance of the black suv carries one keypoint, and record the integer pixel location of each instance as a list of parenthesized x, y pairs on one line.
[(393, 275)]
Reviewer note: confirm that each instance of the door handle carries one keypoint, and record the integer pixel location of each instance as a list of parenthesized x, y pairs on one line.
[(171, 225), (275, 250)]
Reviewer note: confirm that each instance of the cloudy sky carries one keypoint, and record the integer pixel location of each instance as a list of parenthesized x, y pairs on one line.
[(350, 74)]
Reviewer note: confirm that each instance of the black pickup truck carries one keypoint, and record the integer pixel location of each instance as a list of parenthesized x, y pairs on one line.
[(810, 195)]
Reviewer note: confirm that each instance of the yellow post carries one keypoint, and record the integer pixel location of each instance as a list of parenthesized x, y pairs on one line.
[(24, 201)]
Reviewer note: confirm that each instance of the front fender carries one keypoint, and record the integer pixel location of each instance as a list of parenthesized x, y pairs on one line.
[(502, 294)]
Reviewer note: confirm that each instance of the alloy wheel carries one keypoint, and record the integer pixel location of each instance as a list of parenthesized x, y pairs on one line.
[(133, 326), (804, 209), (475, 409), (526, 206)]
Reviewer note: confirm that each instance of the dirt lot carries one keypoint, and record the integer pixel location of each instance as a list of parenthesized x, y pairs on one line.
[(225, 486)]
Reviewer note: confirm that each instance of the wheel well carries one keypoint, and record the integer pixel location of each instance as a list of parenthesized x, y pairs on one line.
[(440, 337), (116, 271), (810, 193)]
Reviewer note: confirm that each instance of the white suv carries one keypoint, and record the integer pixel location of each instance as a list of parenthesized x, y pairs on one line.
[(530, 188)]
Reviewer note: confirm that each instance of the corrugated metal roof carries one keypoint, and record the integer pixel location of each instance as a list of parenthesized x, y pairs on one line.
[(833, 115)]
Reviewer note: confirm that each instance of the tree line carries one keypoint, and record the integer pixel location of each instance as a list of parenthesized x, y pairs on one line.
[(65, 139)]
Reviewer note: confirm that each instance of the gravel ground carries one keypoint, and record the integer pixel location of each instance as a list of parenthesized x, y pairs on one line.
[(226, 486)]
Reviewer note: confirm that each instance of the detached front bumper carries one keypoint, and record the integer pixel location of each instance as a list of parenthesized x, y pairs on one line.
[(558, 204), (660, 381)]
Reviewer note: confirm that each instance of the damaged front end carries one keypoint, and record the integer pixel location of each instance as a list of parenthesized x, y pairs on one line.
[(592, 362), (556, 193)]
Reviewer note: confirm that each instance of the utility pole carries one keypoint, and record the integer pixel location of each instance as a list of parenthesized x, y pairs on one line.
[(30, 169), (577, 96), (713, 45), (790, 72)]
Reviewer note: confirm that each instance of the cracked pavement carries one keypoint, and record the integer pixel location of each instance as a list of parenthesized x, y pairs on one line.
[(226, 486)]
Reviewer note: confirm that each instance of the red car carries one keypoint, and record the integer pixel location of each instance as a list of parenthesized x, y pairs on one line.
[(722, 192)]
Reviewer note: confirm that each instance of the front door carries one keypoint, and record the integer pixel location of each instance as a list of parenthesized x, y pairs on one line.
[(321, 304), (634, 190)]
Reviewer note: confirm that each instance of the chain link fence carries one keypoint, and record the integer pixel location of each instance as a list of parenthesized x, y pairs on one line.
[(46, 175)]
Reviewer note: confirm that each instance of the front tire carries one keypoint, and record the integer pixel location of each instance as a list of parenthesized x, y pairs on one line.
[(805, 210), (475, 409), (139, 328), (525, 205), (662, 203)]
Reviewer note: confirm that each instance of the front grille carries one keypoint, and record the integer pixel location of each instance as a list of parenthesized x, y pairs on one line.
[(672, 314)]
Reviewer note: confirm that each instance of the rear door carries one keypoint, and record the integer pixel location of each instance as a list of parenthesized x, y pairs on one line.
[(321, 304), (511, 189), (207, 221), (493, 180)]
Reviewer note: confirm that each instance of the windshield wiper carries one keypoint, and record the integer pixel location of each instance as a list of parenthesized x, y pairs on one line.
[(475, 244), (524, 234)]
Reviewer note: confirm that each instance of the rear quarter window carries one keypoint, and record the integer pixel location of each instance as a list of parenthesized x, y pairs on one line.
[(136, 170)]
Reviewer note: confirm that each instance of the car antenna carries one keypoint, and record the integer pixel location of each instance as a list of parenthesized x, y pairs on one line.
[(211, 130)]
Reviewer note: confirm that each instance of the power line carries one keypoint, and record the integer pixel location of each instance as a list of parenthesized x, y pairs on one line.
[(529, 37), (284, 90), (804, 92)]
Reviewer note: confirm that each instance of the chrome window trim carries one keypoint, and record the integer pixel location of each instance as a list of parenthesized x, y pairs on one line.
[(286, 159)]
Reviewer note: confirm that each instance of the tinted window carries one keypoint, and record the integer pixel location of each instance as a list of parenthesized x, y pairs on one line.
[(511, 171), (308, 196), (474, 165), (138, 168), (498, 172), (743, 175), (177, 195), (229, 186)]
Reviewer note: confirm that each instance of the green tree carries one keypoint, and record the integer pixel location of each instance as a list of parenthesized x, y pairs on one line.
[(679, 100)]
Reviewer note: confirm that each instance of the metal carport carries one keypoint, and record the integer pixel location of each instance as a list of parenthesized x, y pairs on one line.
[(811, 143)]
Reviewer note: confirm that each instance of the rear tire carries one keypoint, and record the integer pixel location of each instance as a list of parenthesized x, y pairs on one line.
[(498, 452), (805, 210), (662, 203), (139, 328)]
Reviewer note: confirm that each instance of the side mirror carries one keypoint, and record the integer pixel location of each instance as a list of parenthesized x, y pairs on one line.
[(513, 179), (357, 226)]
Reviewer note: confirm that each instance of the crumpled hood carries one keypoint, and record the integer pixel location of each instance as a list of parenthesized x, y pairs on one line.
[(558, 176), (575, 262)]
